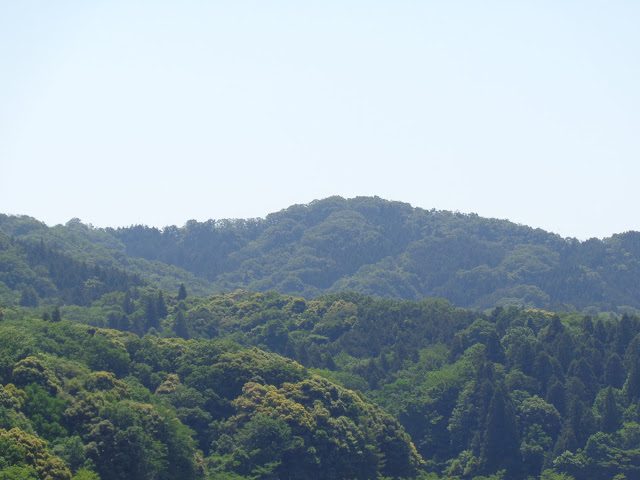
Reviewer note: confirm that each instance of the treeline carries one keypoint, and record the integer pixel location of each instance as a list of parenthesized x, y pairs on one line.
[(368, 245)]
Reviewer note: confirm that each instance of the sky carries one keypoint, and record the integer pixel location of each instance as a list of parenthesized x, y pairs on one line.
[(157, 112)]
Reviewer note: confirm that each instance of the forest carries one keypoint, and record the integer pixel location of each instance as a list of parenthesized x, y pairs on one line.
[(366, 245), (141, 353)]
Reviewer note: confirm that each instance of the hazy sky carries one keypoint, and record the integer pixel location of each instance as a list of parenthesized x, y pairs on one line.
[(156, 112)]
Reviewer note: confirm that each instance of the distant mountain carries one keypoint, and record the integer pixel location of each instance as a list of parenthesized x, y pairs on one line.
[(367, 245)]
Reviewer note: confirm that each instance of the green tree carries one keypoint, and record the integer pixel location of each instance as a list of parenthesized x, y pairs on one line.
[(500, 443), (28, 297), (180, 325), (182, 292), (161, 306), (614, 372), (611, 417), (632, 385), (151, 313), (493, 349)]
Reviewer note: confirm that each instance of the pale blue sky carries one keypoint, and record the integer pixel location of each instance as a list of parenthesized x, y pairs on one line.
[(126, 112)]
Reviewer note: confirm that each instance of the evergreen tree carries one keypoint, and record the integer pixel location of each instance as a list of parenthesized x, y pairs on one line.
[(611, 416), (564, 349), (127, 304), (28, 297), (543, 368), (632, 385), (150, 313), (302, 355), (556, 396), (55, 315), (587, 325), (632, 352), (599, 331), (493, 349), (614, 372), (555, 328), (623, 334), (330, 364), (582, 370), (182, 292), (180, 325), (161, 306), (500, 443), (566, 442), (289, 349)]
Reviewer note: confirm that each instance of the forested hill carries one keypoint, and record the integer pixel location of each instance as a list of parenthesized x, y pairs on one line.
[(368, 245)]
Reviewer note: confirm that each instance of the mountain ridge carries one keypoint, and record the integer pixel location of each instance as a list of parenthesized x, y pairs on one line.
[(371, 246)]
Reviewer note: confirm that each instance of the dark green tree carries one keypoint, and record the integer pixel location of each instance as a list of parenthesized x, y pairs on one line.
[(556, 396), (150, 313), (632, 385), (493, 349), (127, 304), (55, 315), (500, 443), (614, 372), (180, 325), (566, 442), (28, 297), (182, 292), (611, 417), (632, 352), (599, 331), (161, 306)]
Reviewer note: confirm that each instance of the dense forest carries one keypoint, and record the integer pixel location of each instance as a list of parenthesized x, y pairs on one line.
[(134, 354), (367, 245)]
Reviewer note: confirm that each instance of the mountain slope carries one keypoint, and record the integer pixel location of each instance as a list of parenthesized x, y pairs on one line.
[(391, 249), (367, 245)]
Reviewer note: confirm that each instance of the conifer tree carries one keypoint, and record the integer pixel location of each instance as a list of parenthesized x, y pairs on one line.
[(180, 325), (29, 297), (599, 331), (587, 325), (632, 385), (150, 313), (493, 349), (182, 292), (566, 442), (632, 352), (500, 443), (614, 372), (556, 396), (161, 306), (611, 416), (127, 304)]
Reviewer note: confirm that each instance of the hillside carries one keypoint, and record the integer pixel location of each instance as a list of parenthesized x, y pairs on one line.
[(118, 359), (367, 245), (391, 389), (107, 405)]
